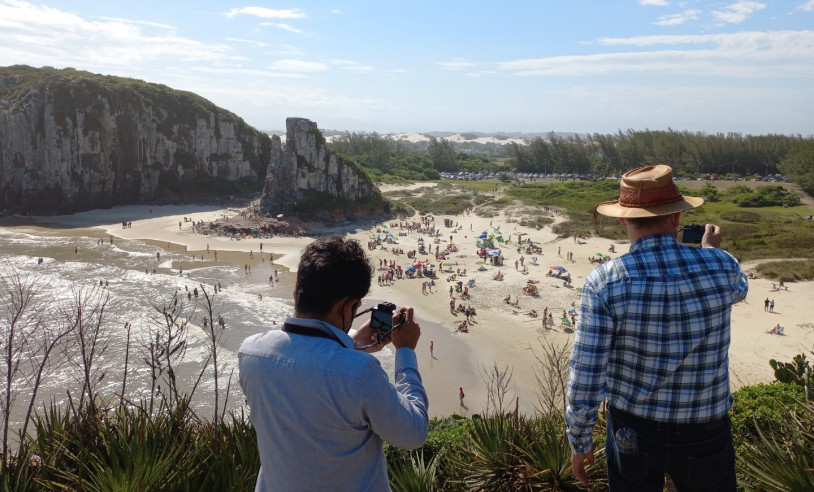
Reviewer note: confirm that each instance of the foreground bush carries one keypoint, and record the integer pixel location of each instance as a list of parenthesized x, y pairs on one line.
[(127, 449), (782, 457)]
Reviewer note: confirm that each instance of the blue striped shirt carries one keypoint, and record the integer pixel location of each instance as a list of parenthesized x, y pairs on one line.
[(653, 336)]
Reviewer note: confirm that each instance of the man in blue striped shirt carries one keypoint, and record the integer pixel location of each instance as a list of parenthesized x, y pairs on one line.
[(653, 339)]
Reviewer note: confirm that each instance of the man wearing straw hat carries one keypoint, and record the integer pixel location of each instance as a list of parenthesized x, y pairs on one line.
[(653, 339)]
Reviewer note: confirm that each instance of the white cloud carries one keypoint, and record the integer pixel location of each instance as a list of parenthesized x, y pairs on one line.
[(259, 44), (265, 13), (141, 23), (298, 66), (282, 26), (352, 66), (336, 11), (738, 11), (289, 50), (455, 64), (676, 19), (658, 3), (748, 54), (38, 35), (806, 7)]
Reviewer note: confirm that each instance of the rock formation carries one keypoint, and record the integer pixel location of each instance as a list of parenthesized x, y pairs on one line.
[(72, 140), (305, 177)]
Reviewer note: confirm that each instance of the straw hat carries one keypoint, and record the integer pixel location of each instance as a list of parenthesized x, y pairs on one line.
[(648, 192)]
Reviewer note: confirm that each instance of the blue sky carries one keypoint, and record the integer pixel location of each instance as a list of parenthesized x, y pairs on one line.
[(531, 66)]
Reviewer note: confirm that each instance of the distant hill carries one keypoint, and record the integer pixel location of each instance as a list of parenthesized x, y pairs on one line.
[(72, 140)]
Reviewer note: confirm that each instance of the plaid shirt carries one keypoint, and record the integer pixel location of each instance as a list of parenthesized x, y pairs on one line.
[(653, 336)]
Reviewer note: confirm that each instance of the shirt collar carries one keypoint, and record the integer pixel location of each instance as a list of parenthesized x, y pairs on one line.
[(652, 241), (346, 340)]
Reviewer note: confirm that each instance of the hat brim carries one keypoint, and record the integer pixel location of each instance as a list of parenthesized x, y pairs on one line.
[(614, 209)]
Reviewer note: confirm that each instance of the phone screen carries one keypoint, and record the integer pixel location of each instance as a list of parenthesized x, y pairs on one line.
[(381, 320)]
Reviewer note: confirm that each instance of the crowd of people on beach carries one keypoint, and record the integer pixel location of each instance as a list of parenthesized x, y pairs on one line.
[(386, 238)]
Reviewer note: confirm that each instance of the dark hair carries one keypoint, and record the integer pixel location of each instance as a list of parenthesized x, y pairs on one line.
[(330, 269)]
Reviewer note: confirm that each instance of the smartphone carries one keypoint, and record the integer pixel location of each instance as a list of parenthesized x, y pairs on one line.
[(381, 319)]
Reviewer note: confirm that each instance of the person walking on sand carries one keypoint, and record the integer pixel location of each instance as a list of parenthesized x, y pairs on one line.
[(652, 343), (771, 306), (461, 396), (766, 304), (432, 347)]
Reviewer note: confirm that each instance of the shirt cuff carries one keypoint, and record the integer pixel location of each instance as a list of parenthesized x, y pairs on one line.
[(406, 358), (581, 445)]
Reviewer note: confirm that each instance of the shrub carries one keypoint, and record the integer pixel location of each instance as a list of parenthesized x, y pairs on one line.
[(787, 271), (743, 216), (782, 458), (762, 406)]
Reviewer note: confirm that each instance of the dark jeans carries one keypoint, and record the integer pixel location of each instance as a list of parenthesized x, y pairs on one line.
[(697, 457)]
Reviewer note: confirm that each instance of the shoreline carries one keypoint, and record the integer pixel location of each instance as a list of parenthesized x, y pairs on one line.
[(502, 334)]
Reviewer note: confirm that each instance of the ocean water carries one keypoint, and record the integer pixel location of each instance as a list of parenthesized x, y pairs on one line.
[(77, 264)]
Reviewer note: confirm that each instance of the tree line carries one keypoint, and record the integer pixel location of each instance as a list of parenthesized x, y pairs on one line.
[(690, 153), (686, 152)]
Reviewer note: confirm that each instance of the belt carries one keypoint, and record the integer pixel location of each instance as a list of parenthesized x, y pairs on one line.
[(708, 426)]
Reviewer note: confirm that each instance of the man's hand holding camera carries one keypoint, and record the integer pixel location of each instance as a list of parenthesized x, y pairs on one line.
[(406, 333), (712, 236)]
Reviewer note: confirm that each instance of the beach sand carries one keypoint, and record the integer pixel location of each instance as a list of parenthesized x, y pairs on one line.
[(501, 334)]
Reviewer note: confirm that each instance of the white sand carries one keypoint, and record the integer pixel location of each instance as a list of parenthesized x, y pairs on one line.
[(501, 334)]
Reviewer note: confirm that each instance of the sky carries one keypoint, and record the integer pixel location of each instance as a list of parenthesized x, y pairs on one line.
[(740, 66)]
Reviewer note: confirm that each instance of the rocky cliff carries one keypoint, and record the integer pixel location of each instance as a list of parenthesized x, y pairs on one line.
[(72, 140), (305, 177)]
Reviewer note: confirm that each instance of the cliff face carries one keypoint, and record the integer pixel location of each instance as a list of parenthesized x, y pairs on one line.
[(72, 141), (305, 177)]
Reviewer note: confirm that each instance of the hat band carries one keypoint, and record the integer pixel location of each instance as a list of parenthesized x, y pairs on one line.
[(648, 198)]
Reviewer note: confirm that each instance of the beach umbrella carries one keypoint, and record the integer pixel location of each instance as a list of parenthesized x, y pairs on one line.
[(483, 236), (562, 269), (494, 253), (410, 269), (599, 254)]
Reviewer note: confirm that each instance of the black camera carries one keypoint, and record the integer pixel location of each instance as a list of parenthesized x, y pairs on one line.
[(692, 233), (381, 317)]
